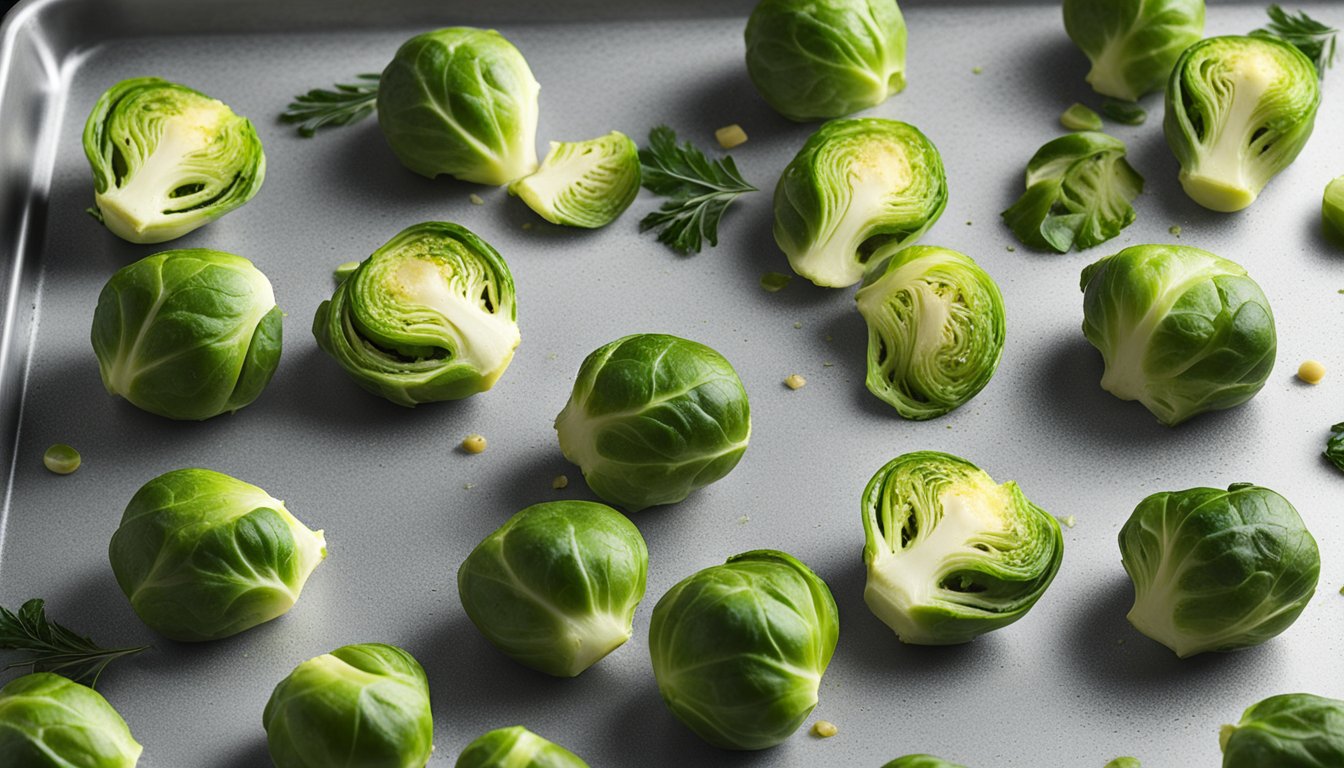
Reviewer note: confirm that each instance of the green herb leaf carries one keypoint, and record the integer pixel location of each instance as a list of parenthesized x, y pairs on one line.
[(1308, 35), (698, 189), (346, 103), (1334, 446), (53, 648)]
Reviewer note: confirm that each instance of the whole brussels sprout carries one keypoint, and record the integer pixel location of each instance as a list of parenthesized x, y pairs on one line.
[(584, 184), (1217, 570), (461, 101), (167, 159), (516, 747), (815, 59), (920, 761), (950, 554), (556, 586), (1291, 730), (1133, 44), (1181, 330), (187, 334), (429, 316), (1238, 111), (856, 185), (652, 418), (739, 649), (202, 555), (935, 329), (360, 706), (48, 721)]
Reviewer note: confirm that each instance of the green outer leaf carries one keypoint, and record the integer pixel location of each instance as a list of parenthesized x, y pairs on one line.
[(360, 705), (1132, 43), (813, 59), (462, 102), (556, 587), (920, 761), (1292, 730), (187, 334), (1080, 118), (584, 184), (1124, 112), (1315, 40), (699, 191), (739, 649), (202, 555), (51, 647), (343, 104), (1217, 570), (50, 721), (516, 747), (985, 578), (1332, 208), (652, 418), (1334, 446), (389, 327), (921, 371), (1079, 194)]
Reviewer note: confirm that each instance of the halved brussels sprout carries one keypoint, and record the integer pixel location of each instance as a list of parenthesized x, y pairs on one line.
[(935, 329), (1079, 194), (429, 316), (516, 747), (854, 186), (1291, 730), (920, 761), (1332, 208), (950, 554), (1217, 570), (739, 649), (556, 586), (1133, 44), (1239, 110), (652, 418), (202, 555), (814, 59), (187, 334), (1181, 330), (1125, 762), (167, 159), (461, 101), (360, 706), (583, 183), (48, 721)]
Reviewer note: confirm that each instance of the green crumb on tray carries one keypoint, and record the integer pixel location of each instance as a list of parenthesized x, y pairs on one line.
[(1124, 762), (773, 282), (977, 70), (1069, 521), (1175, 229), (61, 459), (1080, 118), (476, 199)]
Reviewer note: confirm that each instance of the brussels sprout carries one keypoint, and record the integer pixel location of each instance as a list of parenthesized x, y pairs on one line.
[(935, 329), (1080, 118), (920, 761), (556, 586), (1133, 44), (813, 59), (1238, 111), (1291, 730), (202, 555), (516, 747), (167, 159), (1332, 208), (463, 102), (48, 721), (1079, 194), (739, 649), (429, 316), (360, 706), (652, 418), (187, 334), (1181, 330), (950, 554), (854, 186), (583, 183), (1217, 570)]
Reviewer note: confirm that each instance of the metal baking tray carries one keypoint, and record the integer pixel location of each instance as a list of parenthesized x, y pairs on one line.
[(1071, 685)]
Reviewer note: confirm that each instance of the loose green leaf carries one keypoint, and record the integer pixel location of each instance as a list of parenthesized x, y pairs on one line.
[(698, 189), (1308, 35), (342, 104), (51, 647), (1079, 118), (1334, 446), (1124, 112), (774, 282), (61, 459)]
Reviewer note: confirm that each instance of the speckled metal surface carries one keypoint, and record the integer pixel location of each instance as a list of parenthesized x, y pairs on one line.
[(1072, 685)]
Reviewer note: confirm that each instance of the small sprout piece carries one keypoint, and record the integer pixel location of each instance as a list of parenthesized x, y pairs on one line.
[(920, 761), (773, 282), (1012, 249), (516, 747), (794, 381), (1311, 371), (1069, 521), (48, 720), (473, 444), (1238, 111), (560, 482), (977, 70), (797, 324), (1332, 208), (1175, 230), (731, 136), (476, 199), (585, 184), (1334, 446), (1080, 118), (824, 729), (1217, 570), (1293, 730), (344, 270), (1124, 112), (1132, 45), (61, 459), (743, 520), (1124, 762), (1080, 191)]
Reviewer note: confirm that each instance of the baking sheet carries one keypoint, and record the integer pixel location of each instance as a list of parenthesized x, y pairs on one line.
[(1071, 685)]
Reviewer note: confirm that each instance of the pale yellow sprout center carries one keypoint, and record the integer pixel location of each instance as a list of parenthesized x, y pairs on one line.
[(794, 381), (473, 444), (730, 136), (824, 729)]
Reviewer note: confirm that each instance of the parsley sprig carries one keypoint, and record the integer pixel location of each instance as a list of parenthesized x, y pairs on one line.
[(698, 189), (1308, 35), (342, 104), (51, 647)]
